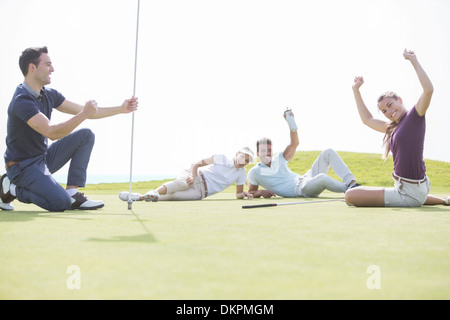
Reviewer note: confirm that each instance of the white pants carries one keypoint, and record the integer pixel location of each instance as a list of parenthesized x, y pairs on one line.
[(180, 190), (406, 194), (317, 179)]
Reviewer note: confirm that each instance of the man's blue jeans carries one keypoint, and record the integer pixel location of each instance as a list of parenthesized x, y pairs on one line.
[(33, 176)]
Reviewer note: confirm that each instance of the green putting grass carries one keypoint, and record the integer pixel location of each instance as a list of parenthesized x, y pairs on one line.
[(214, 249)]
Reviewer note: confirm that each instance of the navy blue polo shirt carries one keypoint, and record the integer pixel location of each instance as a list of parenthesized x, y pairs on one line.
[(22, 141)]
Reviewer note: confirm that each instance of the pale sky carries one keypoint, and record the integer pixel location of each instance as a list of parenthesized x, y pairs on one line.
[(214, 76)]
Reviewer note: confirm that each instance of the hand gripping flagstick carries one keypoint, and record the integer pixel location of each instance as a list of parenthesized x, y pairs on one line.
[(134, 94), (265, 205)]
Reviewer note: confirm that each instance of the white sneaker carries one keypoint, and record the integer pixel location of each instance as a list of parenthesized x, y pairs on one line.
[(447, 201), (5, 195), (151, 195), (81, 202), (6, 206), (124, 195)]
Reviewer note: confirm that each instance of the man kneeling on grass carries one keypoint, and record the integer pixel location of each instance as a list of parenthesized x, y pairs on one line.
[(29, 160), (205, 178)]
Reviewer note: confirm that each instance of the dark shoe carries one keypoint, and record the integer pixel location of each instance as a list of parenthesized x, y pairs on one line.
[(81, 202), (5, 197), (355, 185)]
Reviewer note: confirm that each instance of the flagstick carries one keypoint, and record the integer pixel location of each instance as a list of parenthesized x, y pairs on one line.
[(134, 94)]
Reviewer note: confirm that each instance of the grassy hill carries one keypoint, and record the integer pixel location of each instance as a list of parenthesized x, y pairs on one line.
[(369, 169)]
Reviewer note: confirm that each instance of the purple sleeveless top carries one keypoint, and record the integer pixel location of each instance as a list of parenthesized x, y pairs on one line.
[(407, 146)]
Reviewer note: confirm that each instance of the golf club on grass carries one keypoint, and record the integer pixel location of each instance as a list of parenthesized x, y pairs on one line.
[(287, 203)]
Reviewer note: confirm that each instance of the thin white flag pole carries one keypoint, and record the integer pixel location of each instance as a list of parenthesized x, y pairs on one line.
[(134, 94)]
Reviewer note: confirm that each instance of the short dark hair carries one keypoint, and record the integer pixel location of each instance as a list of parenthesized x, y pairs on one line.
[(262, 141), (31, 55)]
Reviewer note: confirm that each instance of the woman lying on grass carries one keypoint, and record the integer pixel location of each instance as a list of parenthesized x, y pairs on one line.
[(205, 178), (404, 137)]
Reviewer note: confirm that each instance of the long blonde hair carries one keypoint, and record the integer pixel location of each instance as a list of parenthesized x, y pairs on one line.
[(390, 126)]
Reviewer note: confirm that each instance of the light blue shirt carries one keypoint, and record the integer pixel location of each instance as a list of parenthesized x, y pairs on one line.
[(277, 178)]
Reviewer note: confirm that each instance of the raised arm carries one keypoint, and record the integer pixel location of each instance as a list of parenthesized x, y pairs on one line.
[(290, 150), (364, 113), (129, 105), (425, 99)]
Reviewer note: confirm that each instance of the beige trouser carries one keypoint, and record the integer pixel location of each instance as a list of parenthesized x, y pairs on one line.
[(179, 190), (405, 194)]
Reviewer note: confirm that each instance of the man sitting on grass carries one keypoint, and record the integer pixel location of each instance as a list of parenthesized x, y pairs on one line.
[(273, 174)]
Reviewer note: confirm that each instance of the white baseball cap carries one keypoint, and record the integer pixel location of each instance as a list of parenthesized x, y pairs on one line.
[(247, 150)]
